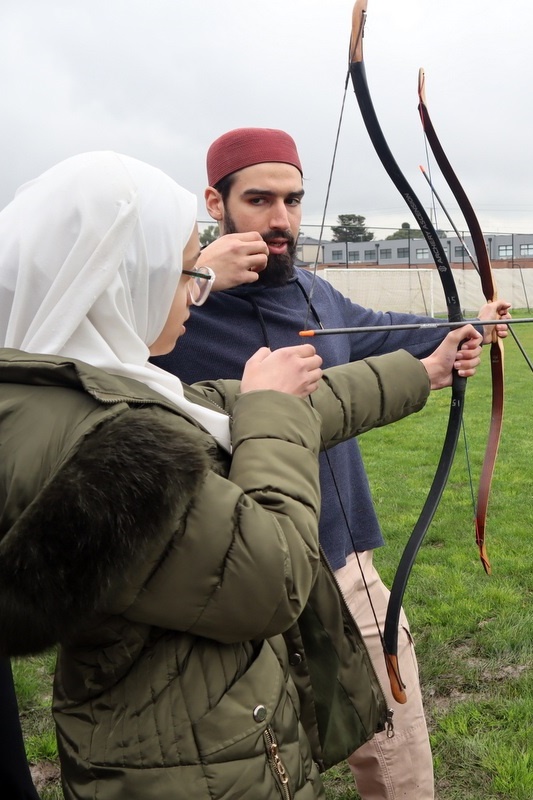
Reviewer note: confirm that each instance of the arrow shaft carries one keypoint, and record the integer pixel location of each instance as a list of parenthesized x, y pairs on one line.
[(415, 326)]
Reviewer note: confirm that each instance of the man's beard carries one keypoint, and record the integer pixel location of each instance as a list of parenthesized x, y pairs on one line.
[(280, 267)]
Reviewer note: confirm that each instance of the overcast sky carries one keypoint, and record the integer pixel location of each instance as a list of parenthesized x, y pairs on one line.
[(160, 79)]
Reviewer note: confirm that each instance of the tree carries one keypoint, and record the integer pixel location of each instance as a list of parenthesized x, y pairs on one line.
[(209, 235), (351, 228), (406, 232)]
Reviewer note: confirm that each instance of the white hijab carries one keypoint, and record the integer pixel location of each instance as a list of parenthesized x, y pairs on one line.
[(90, 259)]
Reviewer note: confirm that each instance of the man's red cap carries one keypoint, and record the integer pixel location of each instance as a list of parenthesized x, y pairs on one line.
[(244, 147)]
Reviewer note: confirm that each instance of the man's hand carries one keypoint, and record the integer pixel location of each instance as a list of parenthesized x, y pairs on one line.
[(497, 309), (235, 258), (441, 363), (293, 370)]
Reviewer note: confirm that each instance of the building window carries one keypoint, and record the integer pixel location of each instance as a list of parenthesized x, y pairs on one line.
[(422, 252), (353, 256), (402, 252), (526, 249), (459, 251), (385, 253), (370, 255), (336, 255), (505, 251)]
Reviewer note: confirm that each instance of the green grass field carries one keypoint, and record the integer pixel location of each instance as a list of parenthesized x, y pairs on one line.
[(474, 633)]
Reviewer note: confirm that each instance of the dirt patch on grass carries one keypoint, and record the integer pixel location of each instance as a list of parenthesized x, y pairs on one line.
[(45, 774)]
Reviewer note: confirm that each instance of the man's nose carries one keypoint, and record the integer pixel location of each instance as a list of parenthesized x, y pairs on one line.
[(279, 218)]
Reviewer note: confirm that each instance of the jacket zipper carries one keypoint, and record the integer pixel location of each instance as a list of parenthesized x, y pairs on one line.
[(276, 764)]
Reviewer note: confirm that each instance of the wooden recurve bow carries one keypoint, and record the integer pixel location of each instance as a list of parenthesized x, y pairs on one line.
[(489, 291)]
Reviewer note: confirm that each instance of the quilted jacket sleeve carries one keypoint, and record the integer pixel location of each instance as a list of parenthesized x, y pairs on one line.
[(133, 512), (243, 562), (353, 398), (357, 397), (247, 558)]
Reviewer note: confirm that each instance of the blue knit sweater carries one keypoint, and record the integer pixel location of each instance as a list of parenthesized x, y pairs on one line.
[(232, 325)]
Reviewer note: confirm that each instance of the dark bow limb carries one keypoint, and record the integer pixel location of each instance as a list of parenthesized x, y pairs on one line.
[(358, 76), (489, 291)]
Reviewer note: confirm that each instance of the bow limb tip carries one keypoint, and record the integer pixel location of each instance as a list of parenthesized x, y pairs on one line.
[(483, 555), (422, 85), (396, 684), (485, 560), (358, 27)]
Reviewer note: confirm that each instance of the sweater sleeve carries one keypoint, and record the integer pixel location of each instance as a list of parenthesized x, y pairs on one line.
[(337, 310)]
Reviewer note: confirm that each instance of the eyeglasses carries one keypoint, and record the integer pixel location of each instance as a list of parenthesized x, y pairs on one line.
[(200, 284)]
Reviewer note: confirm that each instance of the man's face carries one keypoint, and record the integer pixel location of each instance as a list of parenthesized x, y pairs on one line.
[(267, 198)]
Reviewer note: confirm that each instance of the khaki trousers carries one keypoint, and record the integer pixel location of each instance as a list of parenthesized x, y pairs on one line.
[(401, 766)]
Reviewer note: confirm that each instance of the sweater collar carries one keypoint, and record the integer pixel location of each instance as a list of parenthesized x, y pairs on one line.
[(252, 289)]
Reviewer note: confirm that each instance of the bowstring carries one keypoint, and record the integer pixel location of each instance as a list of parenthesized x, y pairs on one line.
[(328, 190), (434, 200)]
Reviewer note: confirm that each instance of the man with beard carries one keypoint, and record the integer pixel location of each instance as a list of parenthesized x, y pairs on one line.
[(256, 185)]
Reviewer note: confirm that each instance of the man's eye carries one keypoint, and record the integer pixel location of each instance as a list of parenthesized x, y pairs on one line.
[(294, 201)]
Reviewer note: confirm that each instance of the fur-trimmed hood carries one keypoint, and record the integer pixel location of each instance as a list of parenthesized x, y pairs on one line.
[(103, 510)]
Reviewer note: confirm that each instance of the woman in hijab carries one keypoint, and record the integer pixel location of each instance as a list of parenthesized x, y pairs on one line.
[(166, 536)]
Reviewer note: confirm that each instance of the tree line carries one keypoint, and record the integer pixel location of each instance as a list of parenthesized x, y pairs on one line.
[(350, 228)]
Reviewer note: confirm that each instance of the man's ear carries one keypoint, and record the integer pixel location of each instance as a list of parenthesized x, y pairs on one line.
[(214, 204)]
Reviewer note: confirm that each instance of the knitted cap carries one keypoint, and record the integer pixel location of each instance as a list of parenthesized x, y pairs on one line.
[(244, 147)]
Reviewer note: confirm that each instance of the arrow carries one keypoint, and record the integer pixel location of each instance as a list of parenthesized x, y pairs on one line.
[(414, 326)]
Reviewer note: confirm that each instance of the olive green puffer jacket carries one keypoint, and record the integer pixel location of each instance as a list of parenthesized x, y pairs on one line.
[(204, 652)]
